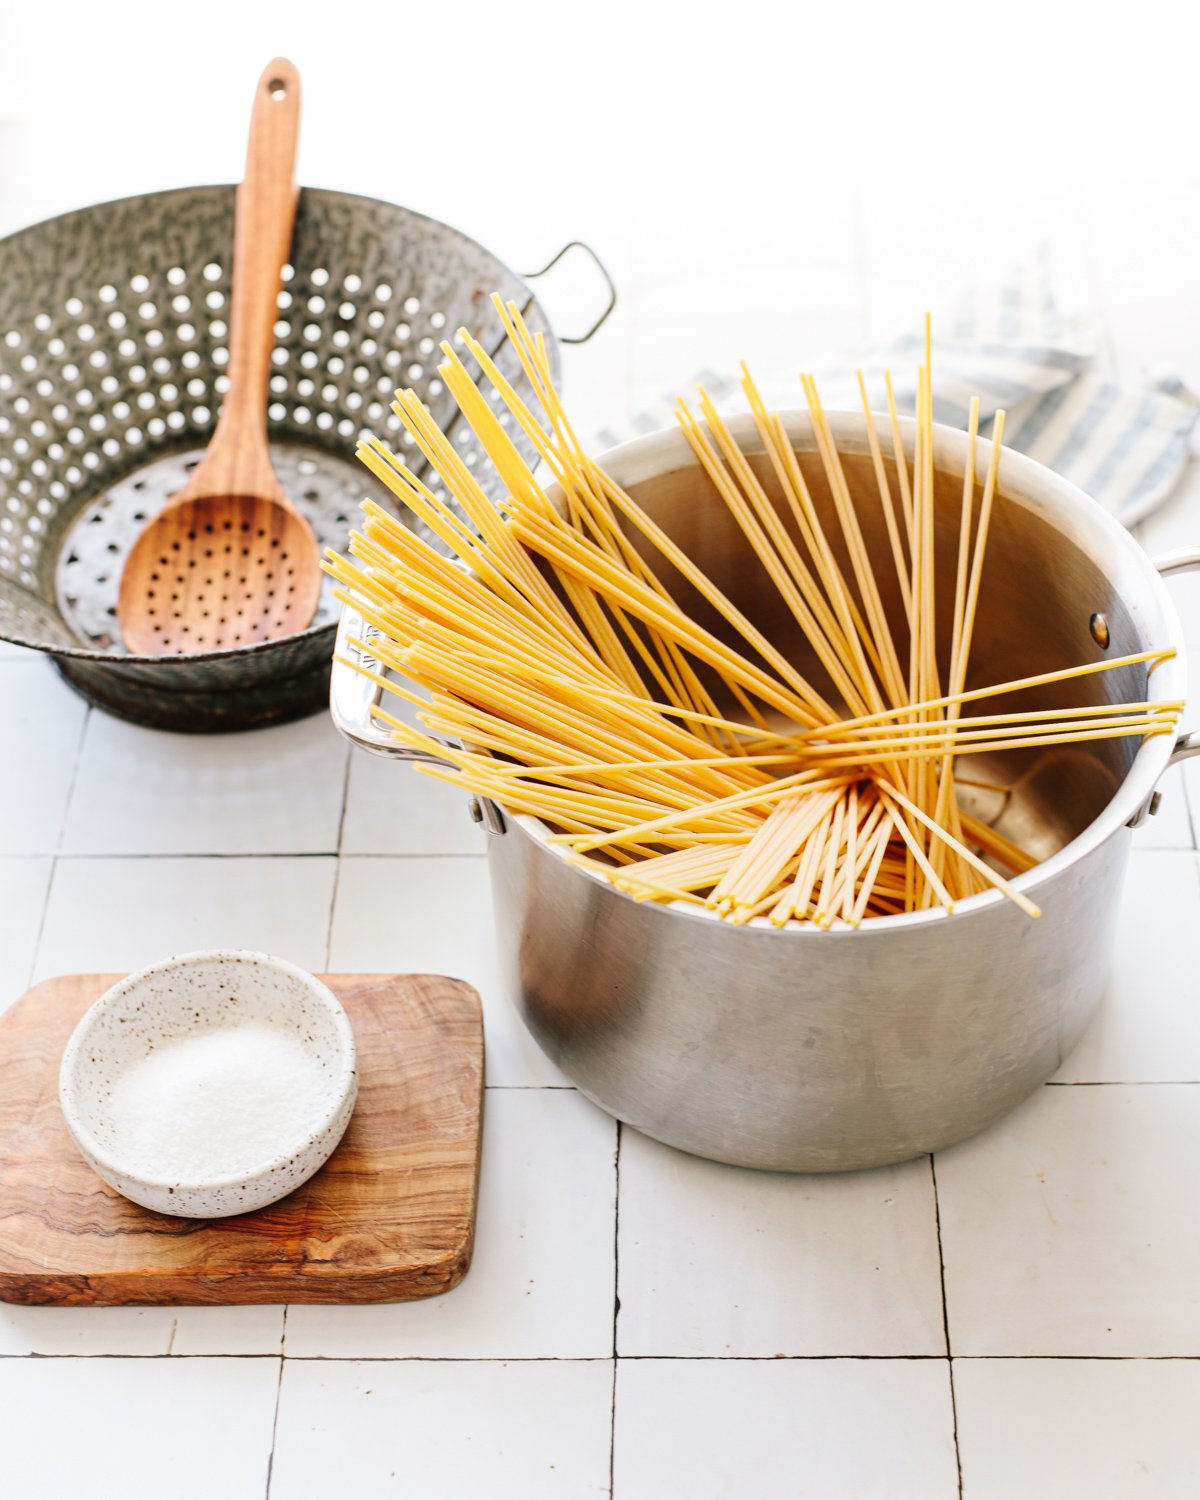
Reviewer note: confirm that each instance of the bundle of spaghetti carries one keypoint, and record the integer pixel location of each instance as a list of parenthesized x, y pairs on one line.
[(537, 653)]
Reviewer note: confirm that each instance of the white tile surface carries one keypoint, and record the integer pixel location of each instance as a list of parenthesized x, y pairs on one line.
[(1071, 1227), (526, 1431), (23, 886), (776, 1429), (1107, 1430), (1148, 1026), (541, 1284), (120, 1429), (723, 1261), (392, 809), (116, 914), (435, 916), (40, 732), (140, 1330), (265, 791)]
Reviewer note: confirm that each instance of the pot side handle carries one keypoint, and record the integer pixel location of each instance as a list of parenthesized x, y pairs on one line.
[(354, 698), (1182, 560)]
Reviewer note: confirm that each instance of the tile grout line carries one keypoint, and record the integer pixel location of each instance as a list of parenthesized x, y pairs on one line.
[(62, 833), (337, 868), (84, 855), (606, 1359), (612, 1425), (937, 1221), (275, 1417)]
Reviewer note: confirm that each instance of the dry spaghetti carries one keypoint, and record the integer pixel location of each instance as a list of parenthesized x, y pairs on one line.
[(553, 670)]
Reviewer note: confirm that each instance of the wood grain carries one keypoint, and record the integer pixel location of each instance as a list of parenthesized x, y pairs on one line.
[(184, 588), (390, 1217)]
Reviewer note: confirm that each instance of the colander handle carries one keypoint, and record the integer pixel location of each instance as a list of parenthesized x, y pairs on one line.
[(608, 282), (354, 698)]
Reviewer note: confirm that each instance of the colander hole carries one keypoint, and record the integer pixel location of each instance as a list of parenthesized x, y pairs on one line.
[(346, 310), (187, 333), (215, 300), (176, 420), (154, 338), (176, 275), (279, 356), (148, 311), (56, 347), (403, 333), (415, 372), (73, 306), (437, 320), (287, 272), (126, 348), (383, 292), (117, 319), (316, 304), (320, 277)]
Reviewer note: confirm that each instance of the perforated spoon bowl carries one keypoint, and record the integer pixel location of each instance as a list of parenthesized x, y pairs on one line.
[(231, 560)]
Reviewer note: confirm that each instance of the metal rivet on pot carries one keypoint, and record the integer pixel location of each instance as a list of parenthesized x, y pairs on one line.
[(1098, 625), (1155, 803), (476, 811)]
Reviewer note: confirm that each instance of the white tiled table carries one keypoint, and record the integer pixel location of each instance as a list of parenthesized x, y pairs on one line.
[(635, 1318), (1018, 1319)]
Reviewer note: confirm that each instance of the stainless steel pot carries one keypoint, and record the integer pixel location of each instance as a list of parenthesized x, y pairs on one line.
[(804, 1050)]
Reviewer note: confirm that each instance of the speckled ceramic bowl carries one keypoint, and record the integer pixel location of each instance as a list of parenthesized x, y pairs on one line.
[(210, 1084)]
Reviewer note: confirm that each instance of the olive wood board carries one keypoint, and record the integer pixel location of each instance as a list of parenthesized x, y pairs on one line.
[(390, 1216)]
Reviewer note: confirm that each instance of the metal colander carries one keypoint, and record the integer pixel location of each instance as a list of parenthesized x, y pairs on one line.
[(112, 355)]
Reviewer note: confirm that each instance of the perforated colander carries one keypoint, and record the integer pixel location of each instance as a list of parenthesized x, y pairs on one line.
[(112, 352)]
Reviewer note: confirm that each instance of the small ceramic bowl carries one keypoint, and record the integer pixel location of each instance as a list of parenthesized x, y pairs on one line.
[(210, 1084)]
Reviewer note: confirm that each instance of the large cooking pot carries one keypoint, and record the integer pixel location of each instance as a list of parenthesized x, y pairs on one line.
[(808, 1050)]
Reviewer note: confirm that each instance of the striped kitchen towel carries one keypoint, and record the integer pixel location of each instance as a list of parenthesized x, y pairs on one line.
[(1009, 345)]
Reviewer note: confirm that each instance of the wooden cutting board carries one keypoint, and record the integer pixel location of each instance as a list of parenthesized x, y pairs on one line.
[(390, 1216)]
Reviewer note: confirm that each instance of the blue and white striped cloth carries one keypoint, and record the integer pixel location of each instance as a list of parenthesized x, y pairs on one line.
[(1010, 346)]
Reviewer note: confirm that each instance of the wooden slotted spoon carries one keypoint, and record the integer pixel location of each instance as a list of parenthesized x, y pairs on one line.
[(231, 561)]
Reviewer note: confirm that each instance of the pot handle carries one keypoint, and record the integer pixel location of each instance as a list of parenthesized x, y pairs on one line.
[(354, 698), (1183, 560)]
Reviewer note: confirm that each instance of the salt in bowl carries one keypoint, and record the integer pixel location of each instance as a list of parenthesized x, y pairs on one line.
[(210, 1084)]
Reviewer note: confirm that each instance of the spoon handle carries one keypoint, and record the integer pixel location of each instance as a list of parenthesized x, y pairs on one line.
[(264, 219)]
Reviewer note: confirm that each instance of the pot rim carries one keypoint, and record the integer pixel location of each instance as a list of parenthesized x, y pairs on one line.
[(1023, 480)]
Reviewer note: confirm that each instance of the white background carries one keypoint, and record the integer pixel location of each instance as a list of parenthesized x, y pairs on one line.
[(795, 177)]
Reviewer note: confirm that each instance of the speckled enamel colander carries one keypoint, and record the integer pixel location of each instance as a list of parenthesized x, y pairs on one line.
[(112, 353)]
